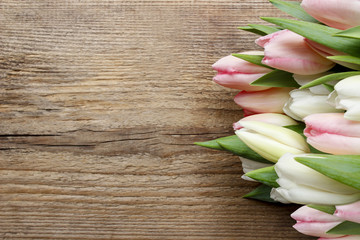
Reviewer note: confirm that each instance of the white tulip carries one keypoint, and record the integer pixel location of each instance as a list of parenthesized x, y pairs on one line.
[(271, 141), (303, 103), (303, 185), (347, 96)]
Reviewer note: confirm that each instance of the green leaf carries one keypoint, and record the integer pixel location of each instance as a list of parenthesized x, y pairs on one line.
[(319, 33), (323, 208), (342, 168), (261, 193), (260, 29), (234, 145), (350, 33), (346, 228), (294, 9), (266, 175), (276, 78), (330, 77), (329, 87), (210, 144), (252, 30), (345, 58), (299, 128), (255, 59), (265, 29)]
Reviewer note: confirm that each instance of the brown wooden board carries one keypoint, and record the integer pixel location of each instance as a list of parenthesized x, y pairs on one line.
[(100, 103)]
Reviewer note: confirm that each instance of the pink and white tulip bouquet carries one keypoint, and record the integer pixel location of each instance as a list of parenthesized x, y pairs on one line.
[(300, 137)]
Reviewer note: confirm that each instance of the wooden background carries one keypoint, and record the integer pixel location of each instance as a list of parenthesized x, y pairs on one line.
[(101, 101)]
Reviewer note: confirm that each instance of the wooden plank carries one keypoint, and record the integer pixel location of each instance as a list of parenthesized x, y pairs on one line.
[(101, 102)]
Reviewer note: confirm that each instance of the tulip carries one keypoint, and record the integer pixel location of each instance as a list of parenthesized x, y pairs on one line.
[(340, 14), (250, 165), (286, 50), (272, 118), (303, 103), (303, 185), (332, 133), (312, 222), (327, 52), (349, 212), (347, 96), (271, 100), (319, 89), (236, 73), (271, 141)]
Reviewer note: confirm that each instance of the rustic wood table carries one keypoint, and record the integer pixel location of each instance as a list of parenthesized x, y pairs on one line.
[(100, 103)]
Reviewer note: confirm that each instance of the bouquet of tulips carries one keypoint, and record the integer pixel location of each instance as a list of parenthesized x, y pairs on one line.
[(300, 134)]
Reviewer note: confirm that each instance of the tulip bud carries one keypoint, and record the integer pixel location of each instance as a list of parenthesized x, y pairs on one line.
[(312, 222), (303, 103), (272, 118), (332, 133), (271, 141), (349, 212), (236, 73), (303, 185), (347, 96), (340, 14), (286, 50), (270, 101)]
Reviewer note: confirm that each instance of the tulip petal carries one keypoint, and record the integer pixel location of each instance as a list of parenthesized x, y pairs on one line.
[(239, 81), (272, 118), (349, 86), (334, 144), (278, 133), (308, 214), (303, 103), (335, 13), (289, 170), (331, 123), (266, 147), (350, 212), (316, 229), (271, 100), (306, 195), (231, 64), (286, 50)]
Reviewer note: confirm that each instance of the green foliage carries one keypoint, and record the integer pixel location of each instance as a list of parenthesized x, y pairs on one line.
[(261, 193), (276, 78)]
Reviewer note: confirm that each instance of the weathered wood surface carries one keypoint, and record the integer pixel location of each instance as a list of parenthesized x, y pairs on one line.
[(100, 104)]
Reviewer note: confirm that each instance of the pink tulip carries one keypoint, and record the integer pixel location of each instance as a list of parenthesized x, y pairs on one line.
[(236, 73), (315, 223), (271, 100), (332, 133), (349, 212), (341, 14), (286, 50)]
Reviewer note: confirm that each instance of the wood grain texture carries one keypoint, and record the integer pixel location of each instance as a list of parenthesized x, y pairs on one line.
[(101, 102)]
